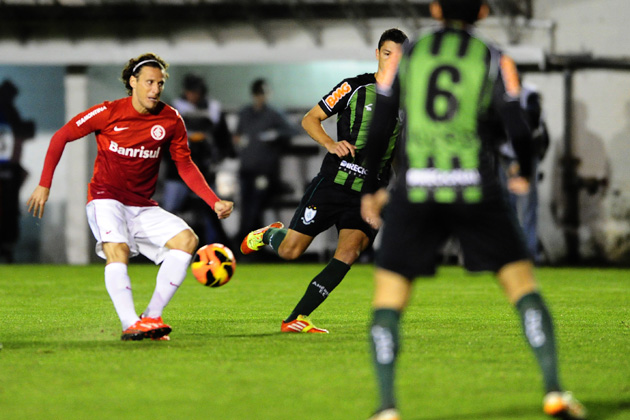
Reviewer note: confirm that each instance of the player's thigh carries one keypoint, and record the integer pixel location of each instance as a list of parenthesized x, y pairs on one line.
[(411, 237), (349, 218), (152, 228), (294, 244), (489, 235), (109, 222), (186, 241), (317, 210)]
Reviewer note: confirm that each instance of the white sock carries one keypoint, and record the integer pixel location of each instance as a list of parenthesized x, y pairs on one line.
[(119, 288), (170, 276)]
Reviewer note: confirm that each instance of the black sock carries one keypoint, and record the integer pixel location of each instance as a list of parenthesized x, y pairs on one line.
[(384, 342), (274, 237), (538, 329), (319, 288)]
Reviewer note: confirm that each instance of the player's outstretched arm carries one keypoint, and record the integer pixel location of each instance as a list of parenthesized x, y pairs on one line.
[(37, 201), (223, 208)]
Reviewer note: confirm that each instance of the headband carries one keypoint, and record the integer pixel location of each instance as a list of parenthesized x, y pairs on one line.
[(145, 62)]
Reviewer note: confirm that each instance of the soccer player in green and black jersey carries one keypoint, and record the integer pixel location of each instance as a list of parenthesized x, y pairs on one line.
[(333, 196), (455, 91)]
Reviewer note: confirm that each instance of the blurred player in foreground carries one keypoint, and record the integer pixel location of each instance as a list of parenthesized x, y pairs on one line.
[(334, 196), (453, 88), (132, 133)]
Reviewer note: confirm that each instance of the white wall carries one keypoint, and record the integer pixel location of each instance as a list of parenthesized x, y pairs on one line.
[(600, 126), (596, 26)]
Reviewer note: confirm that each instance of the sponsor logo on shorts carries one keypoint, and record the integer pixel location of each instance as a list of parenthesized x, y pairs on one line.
[(90, 115), (158, 132), (332, 99), (309, 215), (139, 152)]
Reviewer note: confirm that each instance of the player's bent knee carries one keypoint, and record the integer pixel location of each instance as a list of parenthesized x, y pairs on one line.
[(116, 252), (185, 240)]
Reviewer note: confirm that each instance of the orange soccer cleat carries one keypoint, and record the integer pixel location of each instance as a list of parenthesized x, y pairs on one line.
[(301, 325), (563, 405), (254, 240), (146, 327)]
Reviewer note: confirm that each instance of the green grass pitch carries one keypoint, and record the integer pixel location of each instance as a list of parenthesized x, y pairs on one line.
[(463, 357)]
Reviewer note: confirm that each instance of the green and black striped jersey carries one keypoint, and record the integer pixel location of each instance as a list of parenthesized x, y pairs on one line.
[(459, 96), (354, 100)]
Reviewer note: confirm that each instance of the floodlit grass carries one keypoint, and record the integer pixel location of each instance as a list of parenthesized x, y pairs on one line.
[(463, 357)]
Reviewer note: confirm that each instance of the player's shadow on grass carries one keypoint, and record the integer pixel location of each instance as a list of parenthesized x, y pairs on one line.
[(602, 410), (597, 410), (524, 412)]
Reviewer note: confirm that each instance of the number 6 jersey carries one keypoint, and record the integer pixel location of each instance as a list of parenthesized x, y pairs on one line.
[(459, 95)]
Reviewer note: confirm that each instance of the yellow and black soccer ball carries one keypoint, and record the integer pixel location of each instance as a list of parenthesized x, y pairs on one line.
[(214, 265)]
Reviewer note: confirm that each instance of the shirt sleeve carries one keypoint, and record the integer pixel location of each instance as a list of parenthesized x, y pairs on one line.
[(80, 126), (191, 175), (337, 99), (188, 171)]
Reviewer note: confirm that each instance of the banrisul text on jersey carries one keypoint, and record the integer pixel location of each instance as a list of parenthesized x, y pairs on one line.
[(139, 152)]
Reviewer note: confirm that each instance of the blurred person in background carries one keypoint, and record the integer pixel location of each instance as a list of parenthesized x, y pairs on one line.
[(210, 141), (261, 135), (132, 134), (13, 132), (526, 204)]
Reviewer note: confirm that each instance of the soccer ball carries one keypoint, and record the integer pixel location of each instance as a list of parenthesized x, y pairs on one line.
[(213, 265)]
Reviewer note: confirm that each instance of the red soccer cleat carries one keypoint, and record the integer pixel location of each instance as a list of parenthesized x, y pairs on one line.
[(153, 328), (301, 325), (254, 240)]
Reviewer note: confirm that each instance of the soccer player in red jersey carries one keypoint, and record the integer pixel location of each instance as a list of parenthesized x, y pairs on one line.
[(132, 133)]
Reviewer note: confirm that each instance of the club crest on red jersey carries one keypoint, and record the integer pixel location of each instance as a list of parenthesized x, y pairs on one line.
[(158, 132)]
